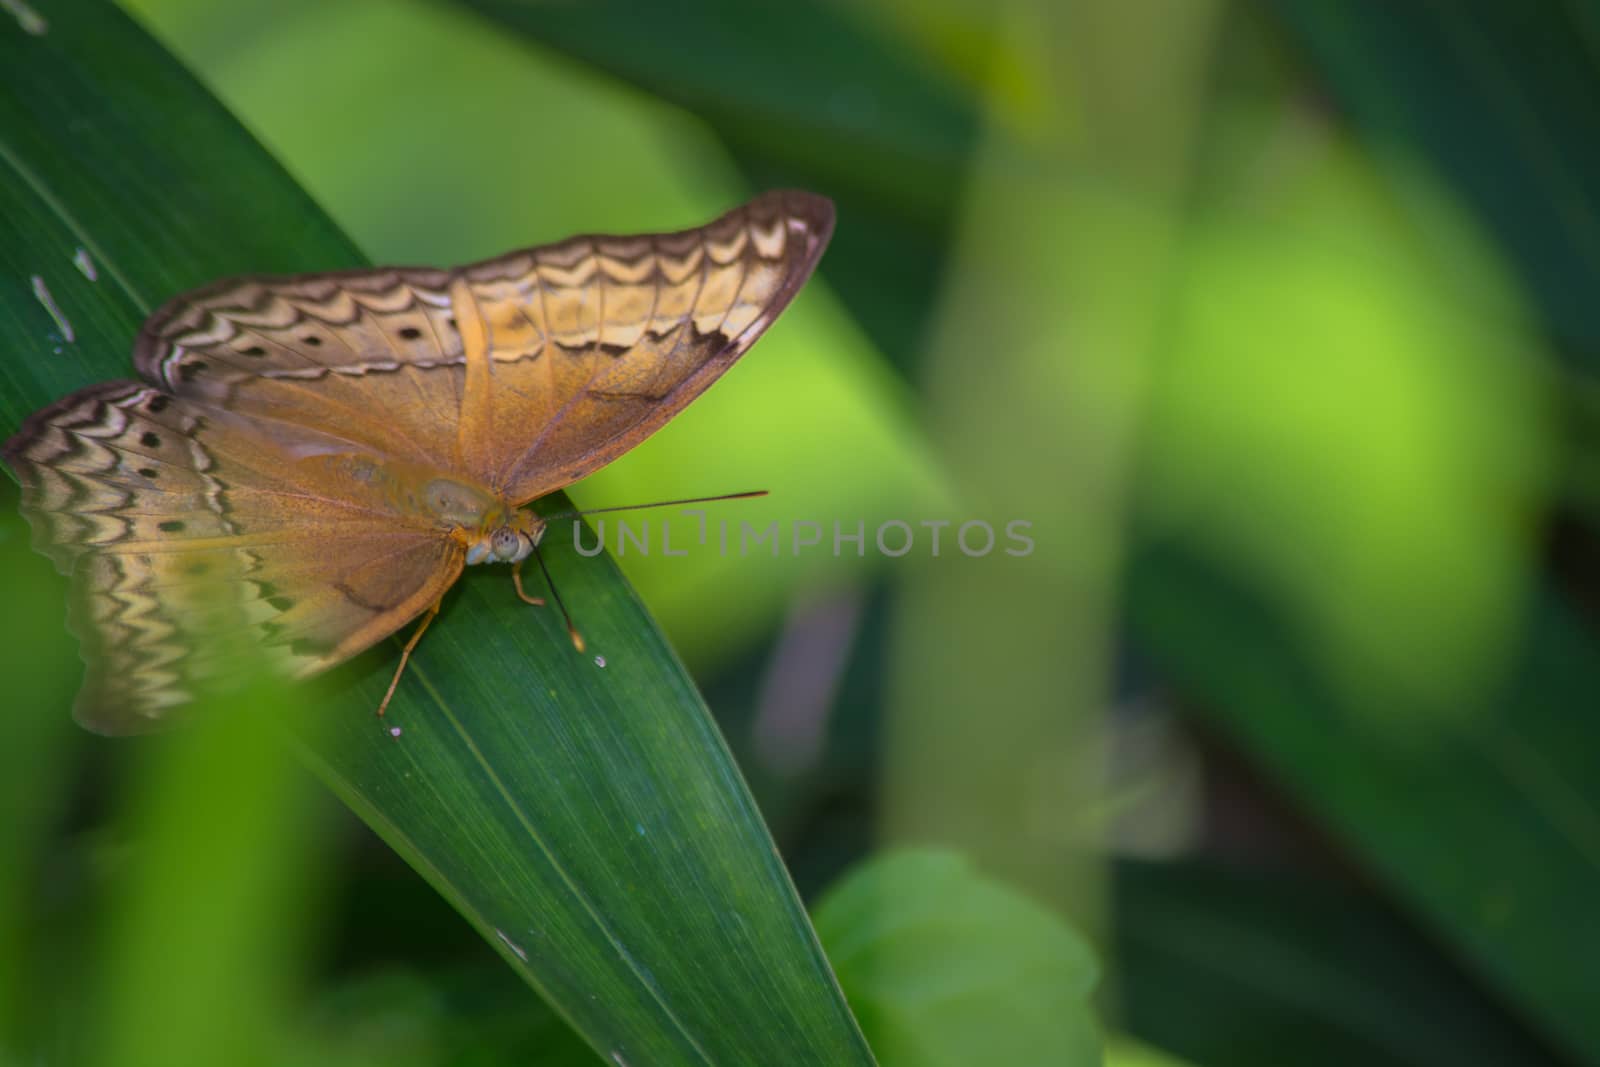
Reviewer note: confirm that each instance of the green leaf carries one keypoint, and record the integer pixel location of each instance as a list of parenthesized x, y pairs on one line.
[(946, 967), (462, 1016), (224, 822), (35, 742), (815, 95), (586, 819), (1487, 832), (809, 86), (1497, 95), (1232, 966), (1125, 1052), (1335, 559), (395, 1017)]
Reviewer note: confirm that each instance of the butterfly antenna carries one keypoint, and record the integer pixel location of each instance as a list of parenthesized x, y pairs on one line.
[(658, 504), (572, 631)]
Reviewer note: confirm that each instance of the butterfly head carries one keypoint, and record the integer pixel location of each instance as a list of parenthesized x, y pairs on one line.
[(506, 537)]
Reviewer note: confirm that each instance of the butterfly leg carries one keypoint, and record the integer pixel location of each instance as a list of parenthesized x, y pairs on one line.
[(516, 580), (405, 653)]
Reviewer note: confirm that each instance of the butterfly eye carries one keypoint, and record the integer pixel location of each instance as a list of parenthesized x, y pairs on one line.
[(507, 543)]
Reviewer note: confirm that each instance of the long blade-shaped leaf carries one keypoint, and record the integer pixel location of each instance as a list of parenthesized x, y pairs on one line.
[(587, 819)]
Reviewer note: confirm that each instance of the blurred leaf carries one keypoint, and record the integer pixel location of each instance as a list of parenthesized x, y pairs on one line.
[(801, 714), (810, 85), (1125, 1052), (813, 95), (1348, 446), (1487, 832), (1003, 656), (946, 967), (1498, 96), (1232, 967), (586, 819), (210, 917), (469, 1015), (463, 1017), (1389, 468), (36, 741)]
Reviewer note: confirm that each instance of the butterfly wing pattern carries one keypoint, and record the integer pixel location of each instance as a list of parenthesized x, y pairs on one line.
[(183, 539), (192, 511)]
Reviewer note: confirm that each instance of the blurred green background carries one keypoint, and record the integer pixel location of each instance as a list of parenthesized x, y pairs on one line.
[(1276, 320)]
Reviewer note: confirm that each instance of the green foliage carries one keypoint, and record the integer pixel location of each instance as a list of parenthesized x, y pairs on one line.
[(945, 967), (816, 95), (1274, 319), (211, 981), (1233, 966)]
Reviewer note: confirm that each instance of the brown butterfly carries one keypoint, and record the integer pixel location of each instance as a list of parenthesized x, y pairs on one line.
[(310, 461)]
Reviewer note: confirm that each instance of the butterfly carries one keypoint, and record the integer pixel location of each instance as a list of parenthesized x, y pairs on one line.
[(309, 462)]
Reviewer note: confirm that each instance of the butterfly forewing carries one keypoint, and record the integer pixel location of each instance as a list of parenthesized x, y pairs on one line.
[(595, 343), (209, 504), (591, 344)]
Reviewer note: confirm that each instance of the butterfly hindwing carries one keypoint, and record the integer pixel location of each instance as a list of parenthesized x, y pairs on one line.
[(187, 541)]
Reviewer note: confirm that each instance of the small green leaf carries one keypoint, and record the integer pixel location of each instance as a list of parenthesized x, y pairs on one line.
[(946, 967)]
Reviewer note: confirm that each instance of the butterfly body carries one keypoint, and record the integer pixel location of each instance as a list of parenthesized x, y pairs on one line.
[(309, 462), (489, 528)]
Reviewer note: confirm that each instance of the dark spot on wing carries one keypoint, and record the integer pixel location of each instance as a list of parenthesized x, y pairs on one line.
[(253, 350), (282, 603), (357, 599), (150, 440), (147, 472), (187, 371), (158, 404), (171, 526), (410, 333)]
